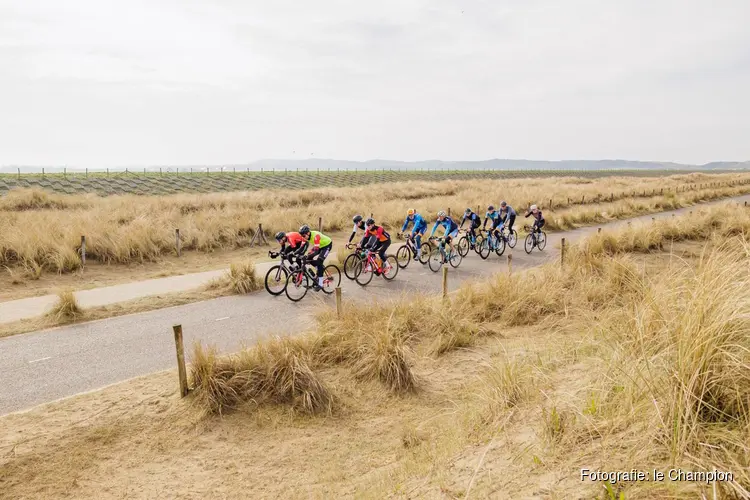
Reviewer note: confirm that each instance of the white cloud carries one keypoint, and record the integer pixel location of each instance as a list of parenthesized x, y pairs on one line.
[(104, 83)]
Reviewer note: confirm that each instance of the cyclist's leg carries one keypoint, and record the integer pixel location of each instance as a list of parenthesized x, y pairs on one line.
[(375, 248), (449, 239), (511, 221), (383, 247), (321, 263), (495, 231)]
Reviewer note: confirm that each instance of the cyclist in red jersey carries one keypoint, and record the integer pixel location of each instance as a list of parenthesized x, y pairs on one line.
[(379, 239), (292, 244)]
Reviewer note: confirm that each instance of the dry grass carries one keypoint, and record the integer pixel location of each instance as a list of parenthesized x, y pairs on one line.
[(613, 369), (45, 229), (239, 279), (66, 309), (273, 372)]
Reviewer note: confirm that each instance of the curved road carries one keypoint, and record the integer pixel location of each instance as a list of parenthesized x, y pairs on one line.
[(47, 365)]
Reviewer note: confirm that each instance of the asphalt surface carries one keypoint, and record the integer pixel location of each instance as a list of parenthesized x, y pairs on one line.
[(43, 366)]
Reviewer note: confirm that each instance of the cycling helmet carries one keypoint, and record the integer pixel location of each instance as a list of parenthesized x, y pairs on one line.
[(304, 230), (356, 219), (503, 204), (441, 213), (467, 211), (533, 207), (370, 221), (411, 211), (280, 235), (490, 208)]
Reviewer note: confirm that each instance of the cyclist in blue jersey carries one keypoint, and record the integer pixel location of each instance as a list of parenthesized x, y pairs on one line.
[(473, 219), (451, 228), (420, 226), (508, 215), (494, 216)]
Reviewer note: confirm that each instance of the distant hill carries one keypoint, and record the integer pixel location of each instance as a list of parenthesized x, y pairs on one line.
[(494, 164)]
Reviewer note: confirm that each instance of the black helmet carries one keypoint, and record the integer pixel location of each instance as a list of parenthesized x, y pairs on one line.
[(356, 219), (467, 211), (490, 208), (370, 221), (304, 230), (280, 235)]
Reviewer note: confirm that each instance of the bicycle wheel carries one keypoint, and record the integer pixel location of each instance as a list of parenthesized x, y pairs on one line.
[(275, 280), (478, 243), (500, 247), (541, 240), (528, 245), (331, 278), (512, 239), (403, 256), (455, 259), (436, 260), (484, 248), (349, 266), (425, 249), (390, 267), (463, 246), (296, 286), (364, 272)]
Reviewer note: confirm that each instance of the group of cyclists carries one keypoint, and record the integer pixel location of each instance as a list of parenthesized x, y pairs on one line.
[(376, 239)]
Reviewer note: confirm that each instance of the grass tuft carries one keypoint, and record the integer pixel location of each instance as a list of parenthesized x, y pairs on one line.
[(66, 309)]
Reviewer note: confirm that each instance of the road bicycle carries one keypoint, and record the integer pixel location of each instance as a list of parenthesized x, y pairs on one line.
[(350, 263), (408, 251), (276, 277), (534, 239), (368, 266), (303, 278), (440, 256), (465, 243), (490, 243)]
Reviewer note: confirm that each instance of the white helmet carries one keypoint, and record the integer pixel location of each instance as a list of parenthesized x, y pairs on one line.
[(441, 214), (533, 207)]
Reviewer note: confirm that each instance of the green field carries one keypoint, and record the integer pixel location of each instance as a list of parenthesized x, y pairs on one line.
[(186, 182)]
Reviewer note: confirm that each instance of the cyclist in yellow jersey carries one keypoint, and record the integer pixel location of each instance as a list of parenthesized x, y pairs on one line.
[(320, 248)]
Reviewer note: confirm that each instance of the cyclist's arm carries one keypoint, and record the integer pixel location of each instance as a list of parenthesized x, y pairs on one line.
[(315, 243), (462, 222), (434, 228), (486, 218), (354, 233), (406, 224)]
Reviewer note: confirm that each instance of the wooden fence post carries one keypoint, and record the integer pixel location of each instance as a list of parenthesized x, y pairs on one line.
[(181, 371), (599, 230), (83, 251), (510, 263), (177, 241), (562, 253), (320, 224), (338, 302), (449, 211), (445, 282)]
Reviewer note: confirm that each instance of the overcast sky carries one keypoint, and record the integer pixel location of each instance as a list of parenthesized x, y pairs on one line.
[(138, 82)]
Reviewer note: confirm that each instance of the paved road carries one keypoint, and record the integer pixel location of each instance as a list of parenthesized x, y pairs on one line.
[(43, 366)]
